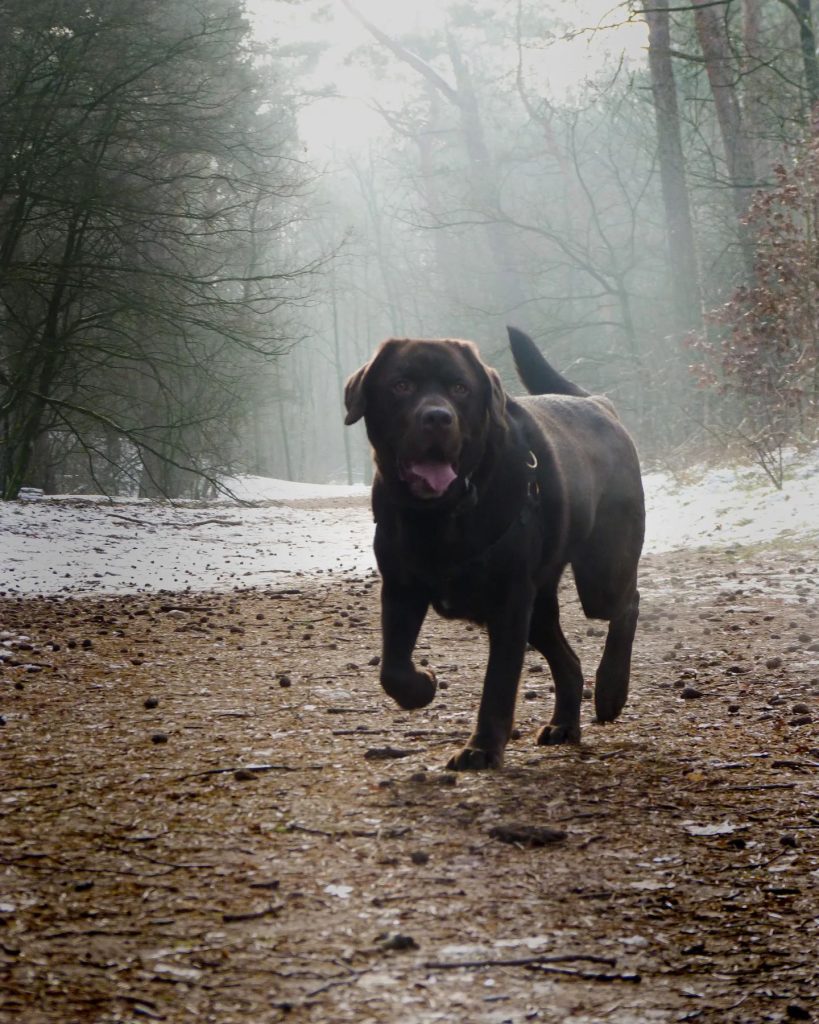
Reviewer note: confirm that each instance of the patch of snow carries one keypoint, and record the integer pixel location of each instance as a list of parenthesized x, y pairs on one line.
[(92, 545), (724, 828), (725, 507), (85, 545), (342, 891), (264, 488)]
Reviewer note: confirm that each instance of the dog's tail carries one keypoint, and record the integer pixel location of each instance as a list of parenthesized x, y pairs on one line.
[(539, 378)]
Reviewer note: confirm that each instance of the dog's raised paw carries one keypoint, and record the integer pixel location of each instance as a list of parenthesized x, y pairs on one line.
[(411, 690), (474, 759)]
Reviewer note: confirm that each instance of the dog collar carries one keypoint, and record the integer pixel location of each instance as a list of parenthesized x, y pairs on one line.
[(470, 495)]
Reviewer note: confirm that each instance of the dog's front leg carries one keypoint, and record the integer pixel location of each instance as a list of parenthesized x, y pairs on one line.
[(403, 608), (508, 630)]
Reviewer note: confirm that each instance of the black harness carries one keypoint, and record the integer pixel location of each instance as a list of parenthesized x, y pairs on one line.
[(526, 513)]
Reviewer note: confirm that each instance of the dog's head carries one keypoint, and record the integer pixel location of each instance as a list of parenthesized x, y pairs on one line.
[(429, 408)]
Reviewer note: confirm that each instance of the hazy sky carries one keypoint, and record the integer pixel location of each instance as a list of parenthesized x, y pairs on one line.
[(349, 119)]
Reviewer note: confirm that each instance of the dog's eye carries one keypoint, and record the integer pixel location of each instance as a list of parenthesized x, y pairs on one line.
[(403, 386), (459, 389)]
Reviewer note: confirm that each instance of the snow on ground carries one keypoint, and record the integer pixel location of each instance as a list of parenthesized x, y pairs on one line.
[(726, 507), (81, 545), (262, 488)]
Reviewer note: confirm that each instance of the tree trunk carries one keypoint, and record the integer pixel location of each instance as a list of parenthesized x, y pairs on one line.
[(755, 89), (152, 483), (285, 439), (33, 382), (716, 49), (365, 174), (337, 361), (484, 184), (446, 253), (682, 253), (807, 41)]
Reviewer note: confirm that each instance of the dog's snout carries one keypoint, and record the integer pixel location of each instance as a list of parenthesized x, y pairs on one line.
[(437, 416)]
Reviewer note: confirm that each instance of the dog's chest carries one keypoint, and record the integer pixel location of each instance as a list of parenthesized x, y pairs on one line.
[(459, 582), (463, 596), (452, 570)]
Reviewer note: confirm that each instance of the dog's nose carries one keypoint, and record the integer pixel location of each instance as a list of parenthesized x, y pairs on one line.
[(437, 416)]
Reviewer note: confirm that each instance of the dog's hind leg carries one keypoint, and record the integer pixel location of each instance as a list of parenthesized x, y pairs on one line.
[(608, 591), (606, 577), (547, 637), (612, 678)]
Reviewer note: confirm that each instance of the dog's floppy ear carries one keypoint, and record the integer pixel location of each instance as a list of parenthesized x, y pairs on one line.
[(354, 395), (355, 398), (495, 395)]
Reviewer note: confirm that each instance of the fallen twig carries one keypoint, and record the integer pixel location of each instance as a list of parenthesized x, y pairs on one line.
[(634, 979), (388, 753), (527, 835), (179, 526), (519, 961), (252, 768), (758, 786), (350, 833), (208, 522), (143, 1007), (75, 933), (758, 864), (334, 982), (36, 785), (252, 915), (352, 711), (358, 732)]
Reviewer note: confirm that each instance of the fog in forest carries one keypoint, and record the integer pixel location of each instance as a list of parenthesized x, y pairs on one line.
[(211, 213)]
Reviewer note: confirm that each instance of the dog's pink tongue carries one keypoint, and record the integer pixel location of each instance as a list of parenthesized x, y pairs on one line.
[(436, 475)]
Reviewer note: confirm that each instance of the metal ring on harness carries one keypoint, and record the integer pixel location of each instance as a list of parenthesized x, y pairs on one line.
[(533, 463)]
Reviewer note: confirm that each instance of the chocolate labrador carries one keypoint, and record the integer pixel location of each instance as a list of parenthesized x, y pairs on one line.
[(480, 502)]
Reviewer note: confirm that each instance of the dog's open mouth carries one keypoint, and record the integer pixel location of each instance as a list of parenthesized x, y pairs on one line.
[(428, 478)]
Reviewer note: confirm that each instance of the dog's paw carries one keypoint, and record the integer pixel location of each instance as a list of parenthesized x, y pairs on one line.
[(552, 735), (475, 759), (411, 690), (609, 702)]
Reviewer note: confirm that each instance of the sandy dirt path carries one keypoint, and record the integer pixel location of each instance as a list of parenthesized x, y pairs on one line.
[(209, 812)]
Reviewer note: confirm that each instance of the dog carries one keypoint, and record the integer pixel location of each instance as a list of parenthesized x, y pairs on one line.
[(481, 501)]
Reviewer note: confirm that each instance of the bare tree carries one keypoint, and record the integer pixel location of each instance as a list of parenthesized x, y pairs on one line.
[(720, 66), (803, 12), (680, 233), (463, 96), (134, 159)]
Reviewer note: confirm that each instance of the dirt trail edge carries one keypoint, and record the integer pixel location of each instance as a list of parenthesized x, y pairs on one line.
[(209, 812)]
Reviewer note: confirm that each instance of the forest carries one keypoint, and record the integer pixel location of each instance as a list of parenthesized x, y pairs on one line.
[(186, 279), (212, 810)]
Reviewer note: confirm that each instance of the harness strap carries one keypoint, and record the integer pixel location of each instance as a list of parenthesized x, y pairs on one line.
[(524, 516)]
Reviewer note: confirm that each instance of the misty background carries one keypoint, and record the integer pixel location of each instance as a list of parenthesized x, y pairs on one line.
[(211, 213)]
